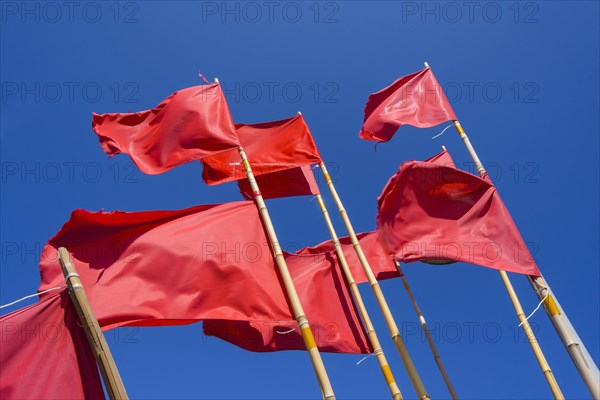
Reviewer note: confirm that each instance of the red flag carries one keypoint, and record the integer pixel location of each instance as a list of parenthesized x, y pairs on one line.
[(270, 147), (442, 158), (380, 259), (145, 268), (176, 267), (188, 125), (44, 353), (322, 291), (299, 181), (434, 212), (416, 99)]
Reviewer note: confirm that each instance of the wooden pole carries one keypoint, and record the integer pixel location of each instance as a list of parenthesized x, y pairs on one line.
[(509, 287), (108, 369), (307, 336), (581, 357), (436, 355), (537, 350), (575, 347), (387, 314), (377, 350)]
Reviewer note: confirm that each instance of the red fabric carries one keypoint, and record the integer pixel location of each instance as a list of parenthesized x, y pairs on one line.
[(442, 158), (380, 259), (156, 266), (322, 291), (44, 353), (177, 267), (416, 99), (270, 147), (188, 125), (298, 181), (430, 211)]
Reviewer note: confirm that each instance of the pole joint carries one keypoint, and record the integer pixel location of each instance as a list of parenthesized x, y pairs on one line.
[(301, 320)]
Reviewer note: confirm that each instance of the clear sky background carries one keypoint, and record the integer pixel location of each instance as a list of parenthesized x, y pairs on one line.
[(522, 78)]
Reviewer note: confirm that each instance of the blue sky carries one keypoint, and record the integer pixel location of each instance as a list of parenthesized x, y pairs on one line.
[(522, 78)]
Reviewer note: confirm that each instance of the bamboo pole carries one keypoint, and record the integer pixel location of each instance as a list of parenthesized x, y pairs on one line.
[(436, 355), (106, 363), (581, 357), (307, 336), (377, 350), (537, 350), (509, 287), (387, 314)]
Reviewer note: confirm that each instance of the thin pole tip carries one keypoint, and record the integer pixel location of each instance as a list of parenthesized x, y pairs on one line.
[(426, 64), (216, 80), (299, 112), (444, 148)]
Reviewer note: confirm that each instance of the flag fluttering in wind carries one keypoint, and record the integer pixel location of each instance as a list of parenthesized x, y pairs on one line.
[(430, 211), (178, 267), (270, 146), (45, 354), (320, 285), (188, 125), (379, 257), (416, 99), (299, 181)]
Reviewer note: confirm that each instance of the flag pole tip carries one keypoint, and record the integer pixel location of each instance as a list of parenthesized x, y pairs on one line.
[(444, 148), (216, 80), (299, 112), (426, 64)]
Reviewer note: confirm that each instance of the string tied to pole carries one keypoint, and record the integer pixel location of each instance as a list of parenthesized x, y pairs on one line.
[(364, 358), (32, 295), (537, 308), (442, 132), (286, 332)]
